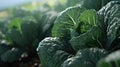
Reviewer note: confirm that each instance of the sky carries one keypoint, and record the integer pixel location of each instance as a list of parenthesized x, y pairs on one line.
[(9, 3)]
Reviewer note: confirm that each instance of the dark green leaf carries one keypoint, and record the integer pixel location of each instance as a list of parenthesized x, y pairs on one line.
[(85, 58), (111, 21), (51, 52), (91, 38)]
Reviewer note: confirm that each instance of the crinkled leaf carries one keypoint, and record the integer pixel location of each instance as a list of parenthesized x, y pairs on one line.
[(85, 58), (51, 52), (111, 21)]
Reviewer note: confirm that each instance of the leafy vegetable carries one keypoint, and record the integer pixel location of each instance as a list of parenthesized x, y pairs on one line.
[(85, 24), (23, 37), (86, 30)]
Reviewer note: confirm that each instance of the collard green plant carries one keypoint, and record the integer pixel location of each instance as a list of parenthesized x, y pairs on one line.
[(19, 35), (83, 22), (91, 33)]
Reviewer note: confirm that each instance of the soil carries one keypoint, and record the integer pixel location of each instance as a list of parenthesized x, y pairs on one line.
[(26, 62)]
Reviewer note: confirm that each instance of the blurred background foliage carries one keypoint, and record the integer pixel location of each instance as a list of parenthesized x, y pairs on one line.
[(24, 23)]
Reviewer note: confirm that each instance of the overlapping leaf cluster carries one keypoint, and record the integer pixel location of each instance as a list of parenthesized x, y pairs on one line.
[(85, 35)]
